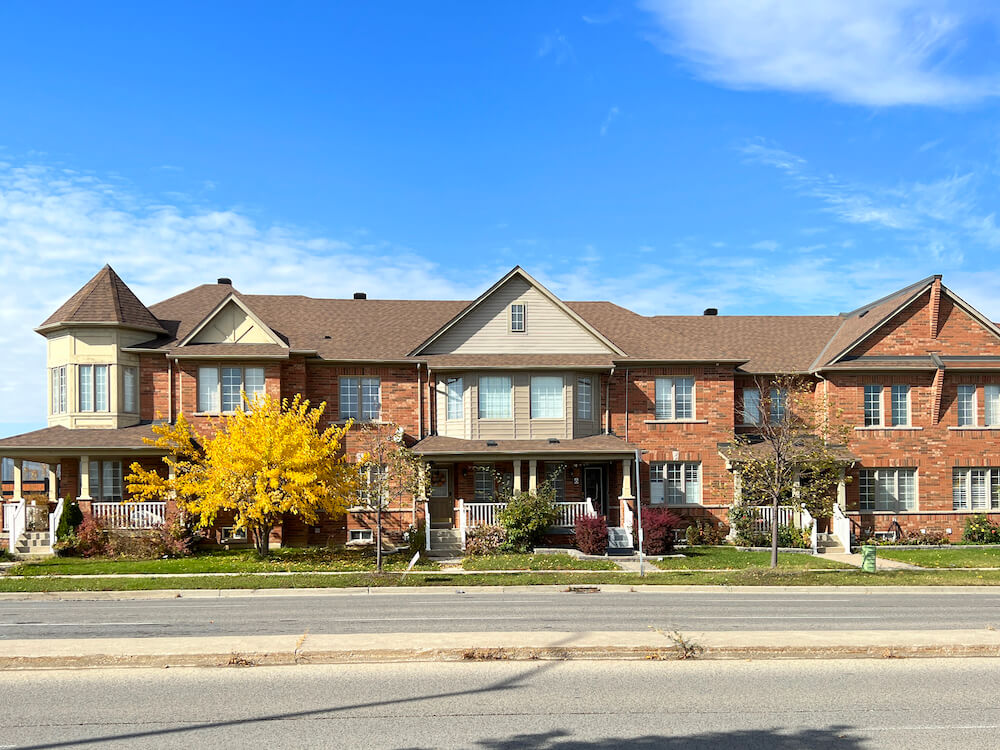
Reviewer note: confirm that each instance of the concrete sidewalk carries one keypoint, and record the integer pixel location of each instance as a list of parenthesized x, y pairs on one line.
[(487, 646)]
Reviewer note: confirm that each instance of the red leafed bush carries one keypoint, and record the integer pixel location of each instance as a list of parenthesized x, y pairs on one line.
[(592, 535), (658, 526)]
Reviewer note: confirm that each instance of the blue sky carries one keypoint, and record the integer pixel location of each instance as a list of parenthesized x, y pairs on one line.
[(761, 157)]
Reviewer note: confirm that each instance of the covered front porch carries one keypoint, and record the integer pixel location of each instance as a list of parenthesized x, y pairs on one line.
[(86, 466), (468, 481)]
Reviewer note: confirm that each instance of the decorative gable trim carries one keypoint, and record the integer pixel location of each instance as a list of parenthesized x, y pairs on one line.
[(275, 338), (519, 272)]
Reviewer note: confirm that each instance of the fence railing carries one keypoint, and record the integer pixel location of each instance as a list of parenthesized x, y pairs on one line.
[(54, 518), (130, 515), (14, 520), (764, 516)]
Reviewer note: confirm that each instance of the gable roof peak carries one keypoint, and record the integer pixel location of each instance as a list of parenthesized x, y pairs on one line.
[(104, 299)]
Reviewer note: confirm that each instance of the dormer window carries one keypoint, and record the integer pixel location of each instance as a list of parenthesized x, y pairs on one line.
[(517, 318)]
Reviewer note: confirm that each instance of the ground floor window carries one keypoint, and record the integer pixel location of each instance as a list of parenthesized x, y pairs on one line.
[(975, 488), (557, 478), (675, 483), (106, 480), (484, 488), (360, 535), (893, 490)]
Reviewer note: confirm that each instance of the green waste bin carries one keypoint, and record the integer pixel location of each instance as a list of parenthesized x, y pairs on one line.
[(868, 558)]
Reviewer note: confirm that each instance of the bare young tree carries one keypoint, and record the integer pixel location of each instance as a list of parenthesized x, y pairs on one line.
[(795, 453), (391, 474)]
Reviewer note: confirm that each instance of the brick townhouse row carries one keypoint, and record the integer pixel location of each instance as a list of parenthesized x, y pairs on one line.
[(518, 386)]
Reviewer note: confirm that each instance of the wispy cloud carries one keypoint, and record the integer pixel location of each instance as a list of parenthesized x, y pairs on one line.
[(869, 52), (609, 118), (555, 45)]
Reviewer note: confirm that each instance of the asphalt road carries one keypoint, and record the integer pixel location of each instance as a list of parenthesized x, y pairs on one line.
[(518, 610), (849, 705)]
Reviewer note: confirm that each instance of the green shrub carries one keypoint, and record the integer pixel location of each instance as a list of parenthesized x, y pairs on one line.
[(70, 519), (702, 533), (484, 540), (979, 529), (746, 533), (416, 537), (527, 517)]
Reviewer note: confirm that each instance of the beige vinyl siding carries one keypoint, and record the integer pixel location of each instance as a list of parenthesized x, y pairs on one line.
[(548, 329), (231, 325)]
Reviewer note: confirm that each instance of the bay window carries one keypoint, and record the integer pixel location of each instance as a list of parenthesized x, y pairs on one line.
[(455, 398), (130, 389), (584, 399), (494, 397), (546, 397), (59, 403)]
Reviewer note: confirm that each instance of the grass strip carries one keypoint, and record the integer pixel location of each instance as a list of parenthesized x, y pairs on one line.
[(944, 558), (535, 562), (729, 558)]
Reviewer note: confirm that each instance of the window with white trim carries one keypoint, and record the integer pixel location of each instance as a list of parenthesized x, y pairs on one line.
[(494, 397), (372, 480), (966, 405), (106, 481), (975, 488), (675, 483), (751, 406), (675, 398), (584, 399), (873, 406), (893, 490), (991, 405), (59, 404), (360, 535), (518, 322), (900, 401), (130, 390), (361, 398), (94, 388), (455, 398), (221, 389), (484, 487), (546, 397), (778, 404)]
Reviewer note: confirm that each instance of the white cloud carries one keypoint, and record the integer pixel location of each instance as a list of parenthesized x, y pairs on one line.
[(769, 245), (869, 52), (556, 46), (608, 119)]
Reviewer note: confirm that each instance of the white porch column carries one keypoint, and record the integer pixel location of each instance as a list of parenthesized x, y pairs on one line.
[(53, 484), (842, 489), (18, 480), (532, 475), (627, 478), (517, 475), (737, 486), (84, 478)]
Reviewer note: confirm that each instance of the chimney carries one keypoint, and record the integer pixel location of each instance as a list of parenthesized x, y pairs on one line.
[(360, 295), (711, 311), (224, 281)]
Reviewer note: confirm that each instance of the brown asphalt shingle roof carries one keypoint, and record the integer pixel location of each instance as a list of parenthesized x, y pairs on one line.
[(105, 299), (63, 437)]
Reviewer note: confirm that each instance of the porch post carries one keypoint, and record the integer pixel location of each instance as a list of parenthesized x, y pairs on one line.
[(842, 489), (53, 484), (18, 481), (517, 475), (84, 478), (737, 486), (532, 475), (627, 478)]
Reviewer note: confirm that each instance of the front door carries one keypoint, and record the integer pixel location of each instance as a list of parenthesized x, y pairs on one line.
[(440, 502), (594, 488)]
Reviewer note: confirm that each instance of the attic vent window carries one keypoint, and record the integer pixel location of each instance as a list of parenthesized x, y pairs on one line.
[(517, 318)]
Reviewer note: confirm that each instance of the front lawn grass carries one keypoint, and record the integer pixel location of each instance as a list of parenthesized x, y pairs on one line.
[(952, 557), (560, 561), (730, 558), (286, 560), (747, 577)]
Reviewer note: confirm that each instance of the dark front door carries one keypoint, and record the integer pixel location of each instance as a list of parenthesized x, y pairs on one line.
[(595, 487)]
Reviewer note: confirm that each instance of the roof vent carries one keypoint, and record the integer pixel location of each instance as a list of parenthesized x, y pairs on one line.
[(360, 295), (553, 441), (327, 338), (491, 443), (225, 281), (711, 311)]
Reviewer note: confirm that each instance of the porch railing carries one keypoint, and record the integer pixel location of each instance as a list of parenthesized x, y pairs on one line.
[(54, 518), (130, 515), (842, 527), (808, 520), (14, 520), (764, 516), (487, 514)]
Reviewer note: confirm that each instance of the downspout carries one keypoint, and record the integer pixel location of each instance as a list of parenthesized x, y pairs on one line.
[(607, 402), (431, 404), (170, 390), (420, 406), (626, 413), (638, 512)]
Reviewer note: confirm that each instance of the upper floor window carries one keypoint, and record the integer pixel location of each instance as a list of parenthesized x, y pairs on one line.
[(751, 406), (675, 483), (221, 389), (991, 405), (675, 398), (966, 405), (546, 397), (360, 398), (893, 490), (494, 397), (518, 315), (106, 480), (778, 404), (584, 399), (900, 397), (59, 404), (873, 406), (455, 396), (130, 389), (95, 394)]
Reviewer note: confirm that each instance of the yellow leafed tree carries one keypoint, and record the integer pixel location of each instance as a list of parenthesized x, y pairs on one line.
[(260, 464)]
